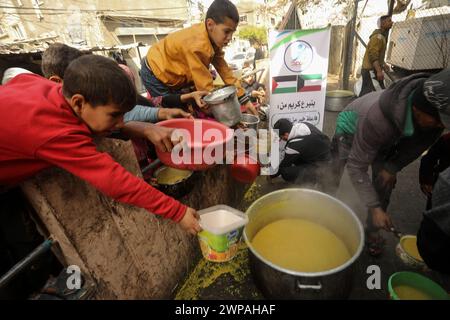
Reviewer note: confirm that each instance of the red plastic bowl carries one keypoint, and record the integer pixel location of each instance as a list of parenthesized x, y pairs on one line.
[(196, 142), (246, 170)]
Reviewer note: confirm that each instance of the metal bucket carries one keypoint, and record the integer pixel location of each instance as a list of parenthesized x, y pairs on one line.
[(249, 121), (224, 105), (337, 100), (276, 282)]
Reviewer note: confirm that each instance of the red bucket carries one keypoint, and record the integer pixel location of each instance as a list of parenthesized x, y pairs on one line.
[(245, 169)]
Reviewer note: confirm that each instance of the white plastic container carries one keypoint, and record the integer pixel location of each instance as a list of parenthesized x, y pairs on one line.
[(222, 231)]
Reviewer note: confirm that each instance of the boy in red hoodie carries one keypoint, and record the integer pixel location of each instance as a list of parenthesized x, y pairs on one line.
[(46, 124)]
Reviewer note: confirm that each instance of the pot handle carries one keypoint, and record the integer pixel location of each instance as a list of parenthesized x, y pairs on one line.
[(152, 165), (309, 286)]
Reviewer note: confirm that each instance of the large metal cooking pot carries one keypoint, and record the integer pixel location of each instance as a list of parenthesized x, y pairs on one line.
[(224, 105), (276, 282), (337, 100)]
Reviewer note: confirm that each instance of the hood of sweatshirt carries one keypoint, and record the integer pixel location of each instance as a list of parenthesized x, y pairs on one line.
[(394, 100), (299, 130)]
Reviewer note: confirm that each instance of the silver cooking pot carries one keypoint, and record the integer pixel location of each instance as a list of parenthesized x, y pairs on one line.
[(337, 100), (276, 282), (224, 105), (249, 121)]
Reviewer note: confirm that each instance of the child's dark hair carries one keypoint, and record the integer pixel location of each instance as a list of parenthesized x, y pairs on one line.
[(100, 81), (56, 59), (283, 126), (220, 9)]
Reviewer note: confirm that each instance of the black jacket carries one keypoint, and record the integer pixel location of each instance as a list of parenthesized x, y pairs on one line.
[(435, 161), (306, 149), (433, 238)]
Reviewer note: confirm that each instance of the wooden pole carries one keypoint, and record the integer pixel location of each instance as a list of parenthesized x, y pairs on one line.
[(349, 48), (391, 7)]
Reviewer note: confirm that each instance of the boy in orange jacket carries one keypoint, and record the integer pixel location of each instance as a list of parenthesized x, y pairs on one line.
[(182, 59)]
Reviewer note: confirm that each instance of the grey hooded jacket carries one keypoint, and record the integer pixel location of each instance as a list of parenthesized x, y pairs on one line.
[(382, 125)]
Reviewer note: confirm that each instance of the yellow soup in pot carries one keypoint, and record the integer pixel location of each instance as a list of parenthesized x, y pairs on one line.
[(171, 175), (405, 292), (410, 246), (300, 245)]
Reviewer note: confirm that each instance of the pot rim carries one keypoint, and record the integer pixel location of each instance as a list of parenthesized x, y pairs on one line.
[(412, 260), (432, 283), (221, 100), (310, 274), (251, 119), (339, 94), (164, 167)]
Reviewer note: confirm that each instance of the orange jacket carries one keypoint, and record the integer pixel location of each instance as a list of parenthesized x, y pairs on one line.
[(375, 50), (183, 58)]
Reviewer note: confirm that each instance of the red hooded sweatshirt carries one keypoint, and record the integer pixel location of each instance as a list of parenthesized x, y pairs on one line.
[(38, 130)]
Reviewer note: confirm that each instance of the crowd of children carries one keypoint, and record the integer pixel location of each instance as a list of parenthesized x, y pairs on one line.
[(85, 95)]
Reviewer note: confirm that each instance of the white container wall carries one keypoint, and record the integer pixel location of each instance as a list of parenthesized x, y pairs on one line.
[(420, 44)]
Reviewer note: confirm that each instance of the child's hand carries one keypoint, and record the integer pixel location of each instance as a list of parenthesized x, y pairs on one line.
[(427, 189), (160, 137), (190, 221), (171, 113), (380, 219), (197, 96), (255, 94), (251, 108)]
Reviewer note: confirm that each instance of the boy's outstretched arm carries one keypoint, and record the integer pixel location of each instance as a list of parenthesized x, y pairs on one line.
[(76, 153), (158, 135)]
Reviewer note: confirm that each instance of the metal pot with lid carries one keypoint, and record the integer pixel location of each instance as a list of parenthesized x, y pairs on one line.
[(337, 100), (224, 105)]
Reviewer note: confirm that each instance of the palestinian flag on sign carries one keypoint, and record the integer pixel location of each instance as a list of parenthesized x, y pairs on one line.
[(296, 83)]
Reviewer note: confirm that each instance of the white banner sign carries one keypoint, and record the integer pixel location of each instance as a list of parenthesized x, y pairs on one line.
[(298, 71)]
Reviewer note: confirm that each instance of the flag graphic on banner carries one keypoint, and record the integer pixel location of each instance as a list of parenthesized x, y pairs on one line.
[(296, 83)]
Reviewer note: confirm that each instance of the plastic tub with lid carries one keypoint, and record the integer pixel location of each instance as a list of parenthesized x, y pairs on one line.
[(222, 230)]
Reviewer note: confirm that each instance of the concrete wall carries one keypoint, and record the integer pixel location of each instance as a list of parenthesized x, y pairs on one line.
[(127, 252), (80, 23), (74, 27), (158, 9), (335, 59), (255, 14)]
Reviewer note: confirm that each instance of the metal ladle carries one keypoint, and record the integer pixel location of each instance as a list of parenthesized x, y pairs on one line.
[(397, 233)]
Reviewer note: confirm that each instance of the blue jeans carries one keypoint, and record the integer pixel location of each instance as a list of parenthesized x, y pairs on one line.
[(153, 85)]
